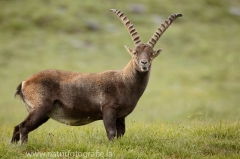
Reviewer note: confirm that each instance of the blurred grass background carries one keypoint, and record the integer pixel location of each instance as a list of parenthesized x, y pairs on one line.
[(196, 77)]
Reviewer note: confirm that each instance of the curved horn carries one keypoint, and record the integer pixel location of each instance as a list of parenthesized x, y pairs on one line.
[(132, 31), (162, 28)]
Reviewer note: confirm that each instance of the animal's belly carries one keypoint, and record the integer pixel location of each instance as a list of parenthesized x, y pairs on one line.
[(70, 117), (69, 121)]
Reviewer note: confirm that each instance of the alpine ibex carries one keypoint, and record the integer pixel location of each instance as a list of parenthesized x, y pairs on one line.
[(79, 98)]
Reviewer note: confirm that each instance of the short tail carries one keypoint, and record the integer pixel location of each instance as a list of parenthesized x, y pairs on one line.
[(19, 91)]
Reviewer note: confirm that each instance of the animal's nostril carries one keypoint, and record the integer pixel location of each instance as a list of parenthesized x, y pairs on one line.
[(144, 62)]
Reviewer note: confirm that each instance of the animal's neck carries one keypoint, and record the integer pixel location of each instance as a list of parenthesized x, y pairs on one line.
[(137, 81)]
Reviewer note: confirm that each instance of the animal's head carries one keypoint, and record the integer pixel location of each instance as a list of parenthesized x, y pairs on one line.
[(143, 53)]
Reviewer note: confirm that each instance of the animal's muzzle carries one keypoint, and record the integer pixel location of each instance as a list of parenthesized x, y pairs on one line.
[(144, 65)]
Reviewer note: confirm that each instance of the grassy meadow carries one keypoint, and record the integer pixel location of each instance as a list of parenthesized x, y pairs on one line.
[(191, 107)]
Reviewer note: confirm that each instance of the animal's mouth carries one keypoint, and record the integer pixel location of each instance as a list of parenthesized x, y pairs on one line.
[(144, 68)]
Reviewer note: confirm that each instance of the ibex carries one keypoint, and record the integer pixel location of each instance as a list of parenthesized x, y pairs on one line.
[(80, 98)]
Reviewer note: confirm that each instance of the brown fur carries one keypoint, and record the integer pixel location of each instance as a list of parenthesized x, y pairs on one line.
[(77, 99)]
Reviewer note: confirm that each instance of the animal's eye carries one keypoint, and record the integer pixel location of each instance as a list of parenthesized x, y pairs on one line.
[(134, 52)]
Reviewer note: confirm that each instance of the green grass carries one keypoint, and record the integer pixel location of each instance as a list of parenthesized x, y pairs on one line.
[(195, 139), (191, 106)]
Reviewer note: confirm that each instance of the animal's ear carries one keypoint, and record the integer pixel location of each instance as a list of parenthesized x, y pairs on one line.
[(156, 53), (130, 51)]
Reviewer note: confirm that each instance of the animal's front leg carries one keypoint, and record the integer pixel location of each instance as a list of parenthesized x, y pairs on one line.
[(120, 123), (109, 120)]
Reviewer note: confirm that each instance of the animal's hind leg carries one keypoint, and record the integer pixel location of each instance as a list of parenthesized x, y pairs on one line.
[(16, 134), (35, 118)]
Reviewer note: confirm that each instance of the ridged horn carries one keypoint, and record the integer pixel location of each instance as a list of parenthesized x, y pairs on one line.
[(163, 28), (126, 22)]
